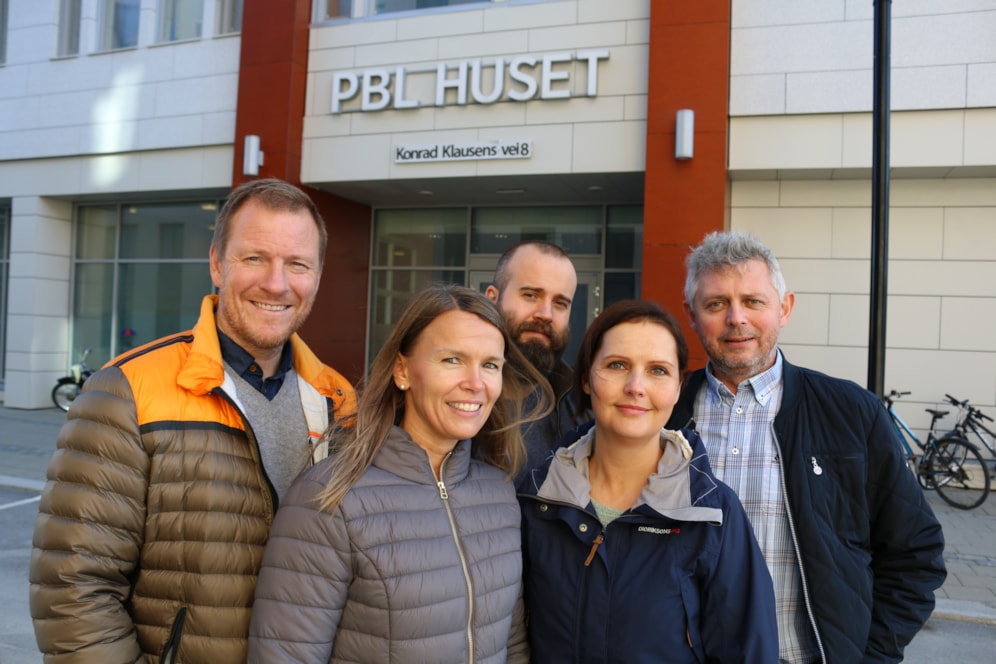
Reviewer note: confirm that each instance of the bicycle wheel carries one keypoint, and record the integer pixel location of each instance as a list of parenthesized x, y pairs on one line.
[(64, 393), (958, 473), (922, 472)]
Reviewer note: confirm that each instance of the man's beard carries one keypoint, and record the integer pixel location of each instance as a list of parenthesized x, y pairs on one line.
[(543, 357)]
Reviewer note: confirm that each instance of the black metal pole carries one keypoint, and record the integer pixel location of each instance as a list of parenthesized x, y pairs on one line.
[(880, 199)]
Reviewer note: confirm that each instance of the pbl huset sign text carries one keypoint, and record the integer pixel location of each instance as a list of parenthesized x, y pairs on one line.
[(520, 78)]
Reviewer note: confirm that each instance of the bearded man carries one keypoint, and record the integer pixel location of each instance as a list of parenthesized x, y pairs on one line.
[(534, 288)]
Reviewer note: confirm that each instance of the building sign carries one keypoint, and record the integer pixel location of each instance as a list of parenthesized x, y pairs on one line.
[(463, 151), (521, 78)]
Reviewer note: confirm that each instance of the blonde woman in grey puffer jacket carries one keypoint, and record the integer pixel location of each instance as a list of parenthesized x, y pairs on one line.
[(404, 545)]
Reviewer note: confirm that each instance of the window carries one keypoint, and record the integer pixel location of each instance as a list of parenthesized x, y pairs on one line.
[(3, 31), (180, 19), (4, 265), (389, 6), (69, 27), (337, 9), (140, 272), (330, 9), (229, 17), (119, 24)]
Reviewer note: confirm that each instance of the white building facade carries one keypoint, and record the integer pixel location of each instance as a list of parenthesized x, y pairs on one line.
[(435, 137)]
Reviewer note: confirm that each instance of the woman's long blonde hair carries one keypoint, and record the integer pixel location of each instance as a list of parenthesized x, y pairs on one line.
[(355, 441)]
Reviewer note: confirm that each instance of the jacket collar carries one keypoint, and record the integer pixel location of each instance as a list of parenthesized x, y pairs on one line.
[(669, 491), (401, 456), (203, 371), (683, 415)]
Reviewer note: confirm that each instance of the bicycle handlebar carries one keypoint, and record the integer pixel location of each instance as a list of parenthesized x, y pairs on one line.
[(978, 414), (955, 402), (972, 410)]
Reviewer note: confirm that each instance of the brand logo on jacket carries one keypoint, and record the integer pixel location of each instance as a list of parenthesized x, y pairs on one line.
[(659, 531)]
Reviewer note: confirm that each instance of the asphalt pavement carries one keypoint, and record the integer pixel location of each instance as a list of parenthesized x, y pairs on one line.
[(966, 603)]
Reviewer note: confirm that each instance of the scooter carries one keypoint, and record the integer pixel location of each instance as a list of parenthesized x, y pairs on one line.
[(68, 387)]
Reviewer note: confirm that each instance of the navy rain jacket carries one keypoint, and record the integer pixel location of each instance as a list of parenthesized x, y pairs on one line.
[(678, 578)]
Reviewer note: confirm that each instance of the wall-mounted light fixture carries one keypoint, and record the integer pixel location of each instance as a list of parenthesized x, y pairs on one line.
[(252, 156), (684, 134)]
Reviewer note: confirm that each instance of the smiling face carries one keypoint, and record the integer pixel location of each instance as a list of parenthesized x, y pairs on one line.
[(451, 379), (737, 315), (634, 383), (267, 279), (536, 304)]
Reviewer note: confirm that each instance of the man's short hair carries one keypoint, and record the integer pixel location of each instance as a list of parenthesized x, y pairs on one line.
[(272, 194), (502, 277), (720, 250)]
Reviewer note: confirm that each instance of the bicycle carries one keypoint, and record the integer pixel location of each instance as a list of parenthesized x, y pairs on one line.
[(972, 423), (949, 464), (68, 388)]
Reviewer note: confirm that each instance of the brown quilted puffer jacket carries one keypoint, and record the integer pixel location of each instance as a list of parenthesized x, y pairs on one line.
[(152, 524)]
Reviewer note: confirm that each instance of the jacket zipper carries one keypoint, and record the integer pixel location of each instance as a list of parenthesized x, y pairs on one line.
[(445, 496), (173, 643), (795, 545)]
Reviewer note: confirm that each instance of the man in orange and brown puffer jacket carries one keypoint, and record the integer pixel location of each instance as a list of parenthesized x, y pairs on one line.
[(170, 467)]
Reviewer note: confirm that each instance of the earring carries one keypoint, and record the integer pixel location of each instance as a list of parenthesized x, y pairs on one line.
[(402, 387)]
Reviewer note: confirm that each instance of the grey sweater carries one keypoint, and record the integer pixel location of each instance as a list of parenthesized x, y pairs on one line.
[(397, 573)]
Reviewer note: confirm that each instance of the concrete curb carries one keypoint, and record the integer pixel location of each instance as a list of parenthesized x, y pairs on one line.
[(964, 611)]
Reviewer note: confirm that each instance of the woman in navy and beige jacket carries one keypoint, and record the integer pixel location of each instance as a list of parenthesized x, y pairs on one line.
[(634, 552)]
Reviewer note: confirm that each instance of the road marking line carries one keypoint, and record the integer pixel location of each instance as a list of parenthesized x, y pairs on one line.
[(20, 502)]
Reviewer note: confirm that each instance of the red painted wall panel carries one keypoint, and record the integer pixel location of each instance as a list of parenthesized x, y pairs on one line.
[(684, 200), (273, 76)]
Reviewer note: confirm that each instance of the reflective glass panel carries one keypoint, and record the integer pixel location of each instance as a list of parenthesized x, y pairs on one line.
[(180, 19), (229, 16), (624, 237), (4, 232), (92, 305), (576, 228), (96, 231), (388, 6), (156, 299), (3, 31), (391, 292), (69, 27), (337, 9), (119, 24), (181, 230), (4, 263), (621, 286), (420, 238)]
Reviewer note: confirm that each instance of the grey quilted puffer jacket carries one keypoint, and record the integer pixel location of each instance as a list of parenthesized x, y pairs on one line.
[(404, 570)]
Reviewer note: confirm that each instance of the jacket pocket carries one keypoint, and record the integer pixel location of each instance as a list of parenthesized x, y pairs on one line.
[(173, 642), (838, 484), (691, 606)]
